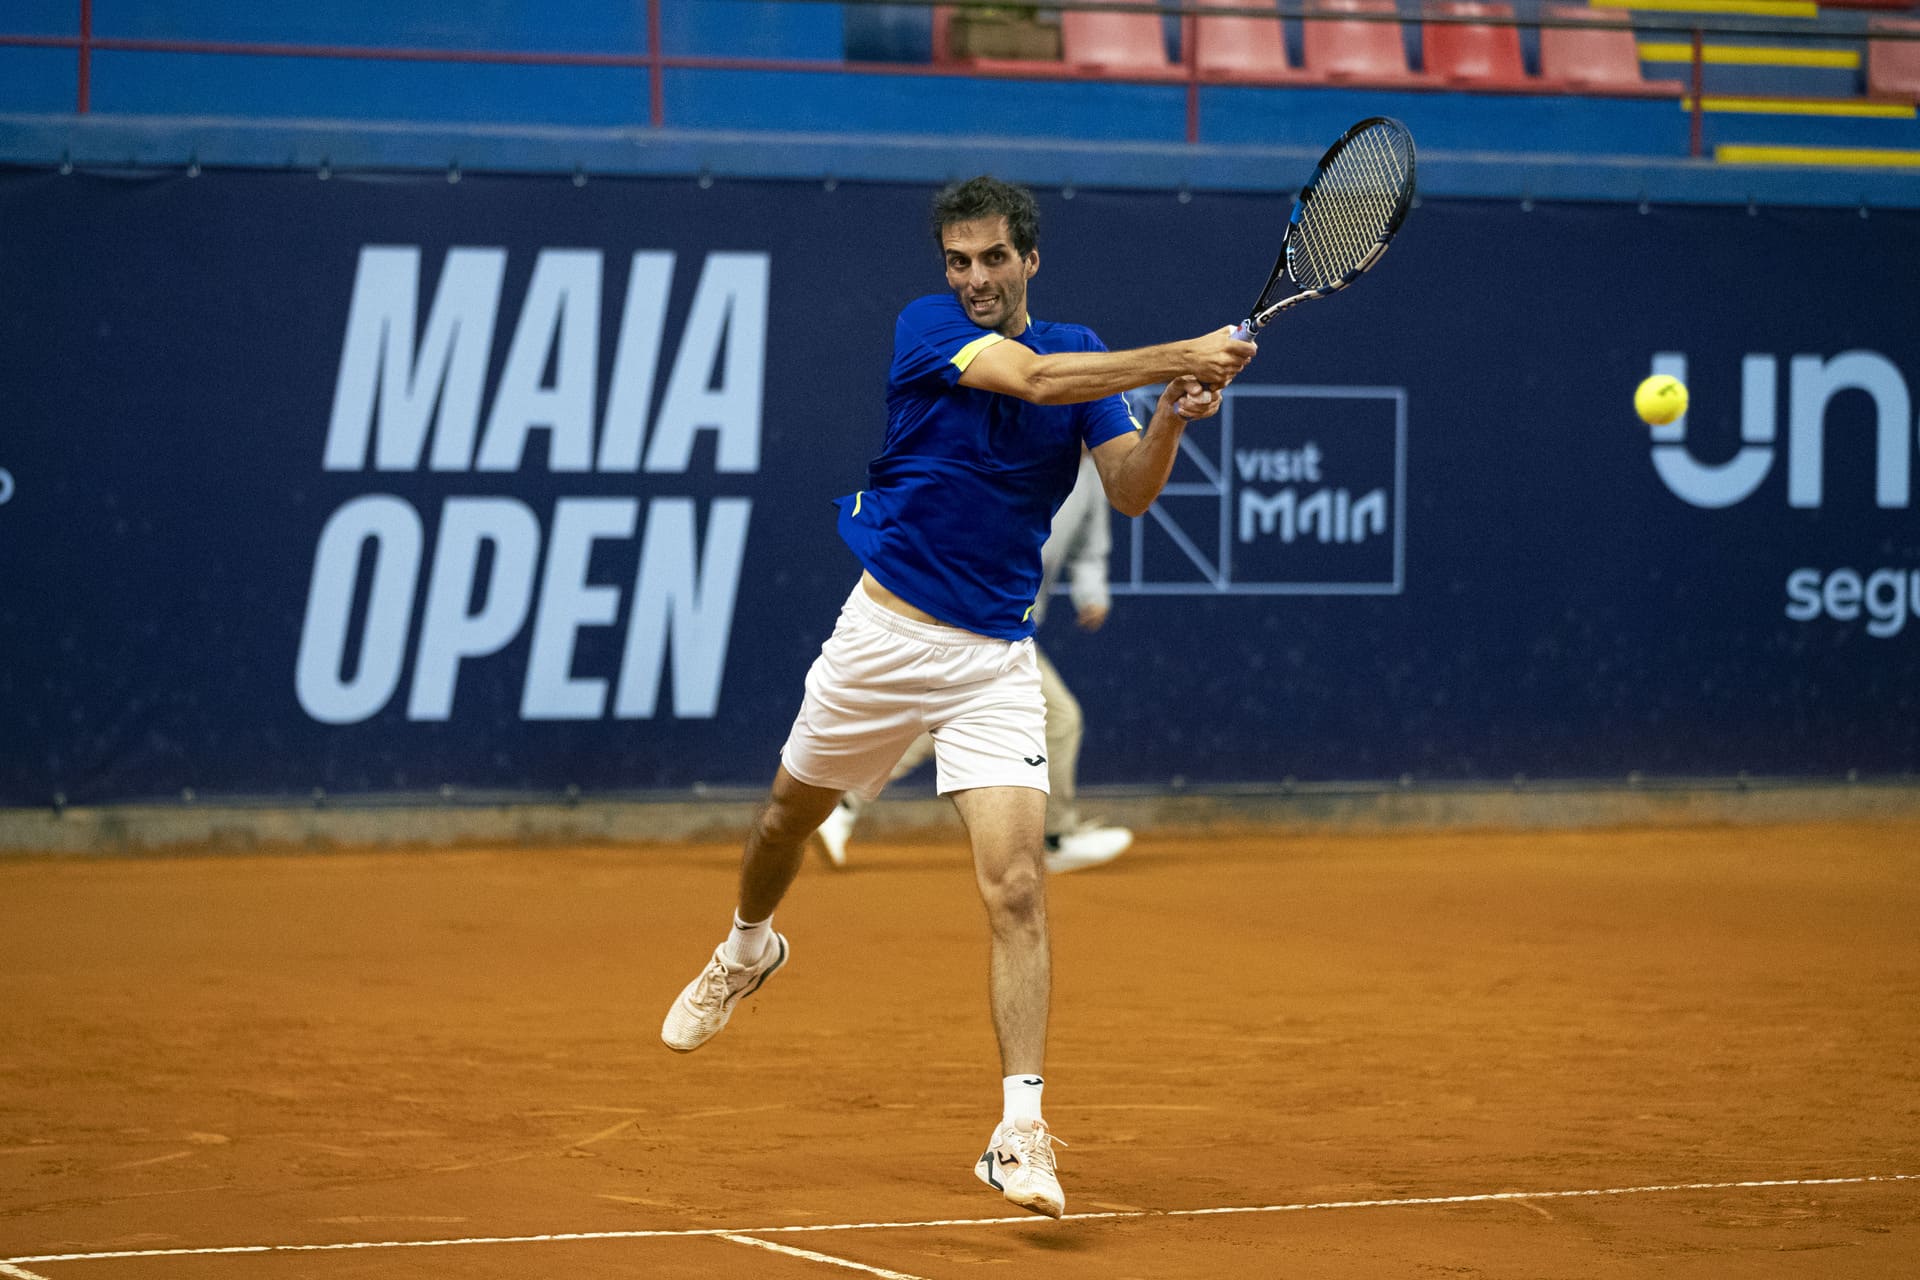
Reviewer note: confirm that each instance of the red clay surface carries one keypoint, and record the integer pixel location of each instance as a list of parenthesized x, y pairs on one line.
[(375, 1048)]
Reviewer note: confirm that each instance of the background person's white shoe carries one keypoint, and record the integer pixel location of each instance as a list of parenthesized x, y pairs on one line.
[(1019, 1165), (707, 1002), (834, 834), (1086, 847)]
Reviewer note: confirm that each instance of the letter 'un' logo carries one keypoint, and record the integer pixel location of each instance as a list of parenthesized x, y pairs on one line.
[(1812, 383)]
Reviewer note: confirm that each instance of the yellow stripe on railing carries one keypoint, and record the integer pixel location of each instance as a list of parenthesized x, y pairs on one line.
[(1825, 157), (1804, 107), (1752, 55), (1752, 8)]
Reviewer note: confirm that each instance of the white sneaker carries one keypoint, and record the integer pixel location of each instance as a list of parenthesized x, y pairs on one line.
[(706, 1004), (834, 834), (1087, 847), (1019, 1165)]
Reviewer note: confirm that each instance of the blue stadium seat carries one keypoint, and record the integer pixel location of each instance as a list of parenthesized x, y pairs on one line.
[(889, 33)]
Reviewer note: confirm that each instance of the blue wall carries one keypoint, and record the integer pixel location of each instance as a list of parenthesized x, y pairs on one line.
[(208, 579)]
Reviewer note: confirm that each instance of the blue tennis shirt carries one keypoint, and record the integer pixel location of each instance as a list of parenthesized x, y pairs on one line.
[(959, 501)]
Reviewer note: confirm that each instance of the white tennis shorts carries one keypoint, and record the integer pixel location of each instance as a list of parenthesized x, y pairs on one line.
[(881, 680)]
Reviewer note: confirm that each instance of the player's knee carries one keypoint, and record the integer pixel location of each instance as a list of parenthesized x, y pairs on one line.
[(1016, 893), (779, 823)]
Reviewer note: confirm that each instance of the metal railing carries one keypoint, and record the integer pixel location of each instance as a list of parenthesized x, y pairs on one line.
[(1853, 27)]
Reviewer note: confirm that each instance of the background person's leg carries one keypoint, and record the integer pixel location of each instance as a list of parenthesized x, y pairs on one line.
[(1065, 727), (836, 829), (918, 754), (1072, 843)]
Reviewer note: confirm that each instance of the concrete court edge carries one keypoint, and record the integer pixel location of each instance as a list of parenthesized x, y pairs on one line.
[(191, 825)]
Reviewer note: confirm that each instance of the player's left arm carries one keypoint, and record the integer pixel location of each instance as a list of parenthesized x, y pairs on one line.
[(1134, 467)]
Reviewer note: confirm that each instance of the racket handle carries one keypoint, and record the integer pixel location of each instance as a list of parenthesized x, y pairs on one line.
[(1242, 333)]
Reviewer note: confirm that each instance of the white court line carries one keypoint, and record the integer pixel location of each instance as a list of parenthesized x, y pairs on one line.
[(19, 1273), (811, 1256), (694, 1232)]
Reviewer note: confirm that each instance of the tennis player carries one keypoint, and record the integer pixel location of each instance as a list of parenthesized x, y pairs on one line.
[(987, 411), (1079, 545)]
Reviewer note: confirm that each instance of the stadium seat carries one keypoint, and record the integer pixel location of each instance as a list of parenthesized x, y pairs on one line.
[(1114, 44), (1355, 50), (1601, 59), (942, 22), (888, 33), (1474, 55), (944, 54), (1241, 48), (1893, 66)]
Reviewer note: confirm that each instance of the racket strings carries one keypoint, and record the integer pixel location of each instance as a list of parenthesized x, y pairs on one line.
[(1355, 200)]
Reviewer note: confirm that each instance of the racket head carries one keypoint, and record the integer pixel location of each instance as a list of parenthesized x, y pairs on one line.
[(1346, 215)]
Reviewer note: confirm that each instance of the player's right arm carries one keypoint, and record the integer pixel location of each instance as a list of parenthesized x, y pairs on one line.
[(1134, 466), (1072, 377)]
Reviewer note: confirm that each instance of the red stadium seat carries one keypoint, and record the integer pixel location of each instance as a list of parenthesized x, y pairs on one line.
[(1601, 58), (942, 22), (1893, 66), (1241, 48), (1116, 45), (1355, 51), (1474, 55)]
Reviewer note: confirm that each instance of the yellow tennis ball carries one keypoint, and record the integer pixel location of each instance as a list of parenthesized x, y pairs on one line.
[(1660, 399)]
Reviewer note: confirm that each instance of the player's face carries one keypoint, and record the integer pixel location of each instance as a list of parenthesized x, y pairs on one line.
[(988, 274)]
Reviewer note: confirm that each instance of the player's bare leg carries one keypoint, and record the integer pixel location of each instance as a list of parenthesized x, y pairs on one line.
[(776, 843), (1007, 827), (753, 952)]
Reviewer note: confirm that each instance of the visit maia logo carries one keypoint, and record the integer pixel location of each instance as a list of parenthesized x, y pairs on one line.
[(1301, 491)]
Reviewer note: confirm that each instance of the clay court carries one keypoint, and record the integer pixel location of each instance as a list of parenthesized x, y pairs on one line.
[(1687, 1052)]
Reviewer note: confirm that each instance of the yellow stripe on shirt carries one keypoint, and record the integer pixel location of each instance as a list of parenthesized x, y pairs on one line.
[(964, 356)]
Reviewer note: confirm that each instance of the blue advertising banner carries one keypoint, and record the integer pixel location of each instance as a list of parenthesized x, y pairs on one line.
[(393, 484)]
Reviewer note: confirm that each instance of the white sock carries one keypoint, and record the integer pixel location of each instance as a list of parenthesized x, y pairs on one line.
[(1022, 1097), (747, 942)]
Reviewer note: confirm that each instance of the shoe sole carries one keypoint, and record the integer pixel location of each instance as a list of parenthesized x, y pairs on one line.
[(983, 1169), (759, 982)]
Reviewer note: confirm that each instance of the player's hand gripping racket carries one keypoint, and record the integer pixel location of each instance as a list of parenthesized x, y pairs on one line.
[(1343, 221)]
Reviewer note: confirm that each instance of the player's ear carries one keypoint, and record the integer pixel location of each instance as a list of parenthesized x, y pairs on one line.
[(1033, 262)]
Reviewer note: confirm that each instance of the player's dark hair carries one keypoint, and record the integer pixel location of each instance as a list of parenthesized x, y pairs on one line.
[(985, 197)]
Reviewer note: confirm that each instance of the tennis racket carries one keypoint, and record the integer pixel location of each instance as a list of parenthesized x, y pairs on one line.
[(1343, 221)]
